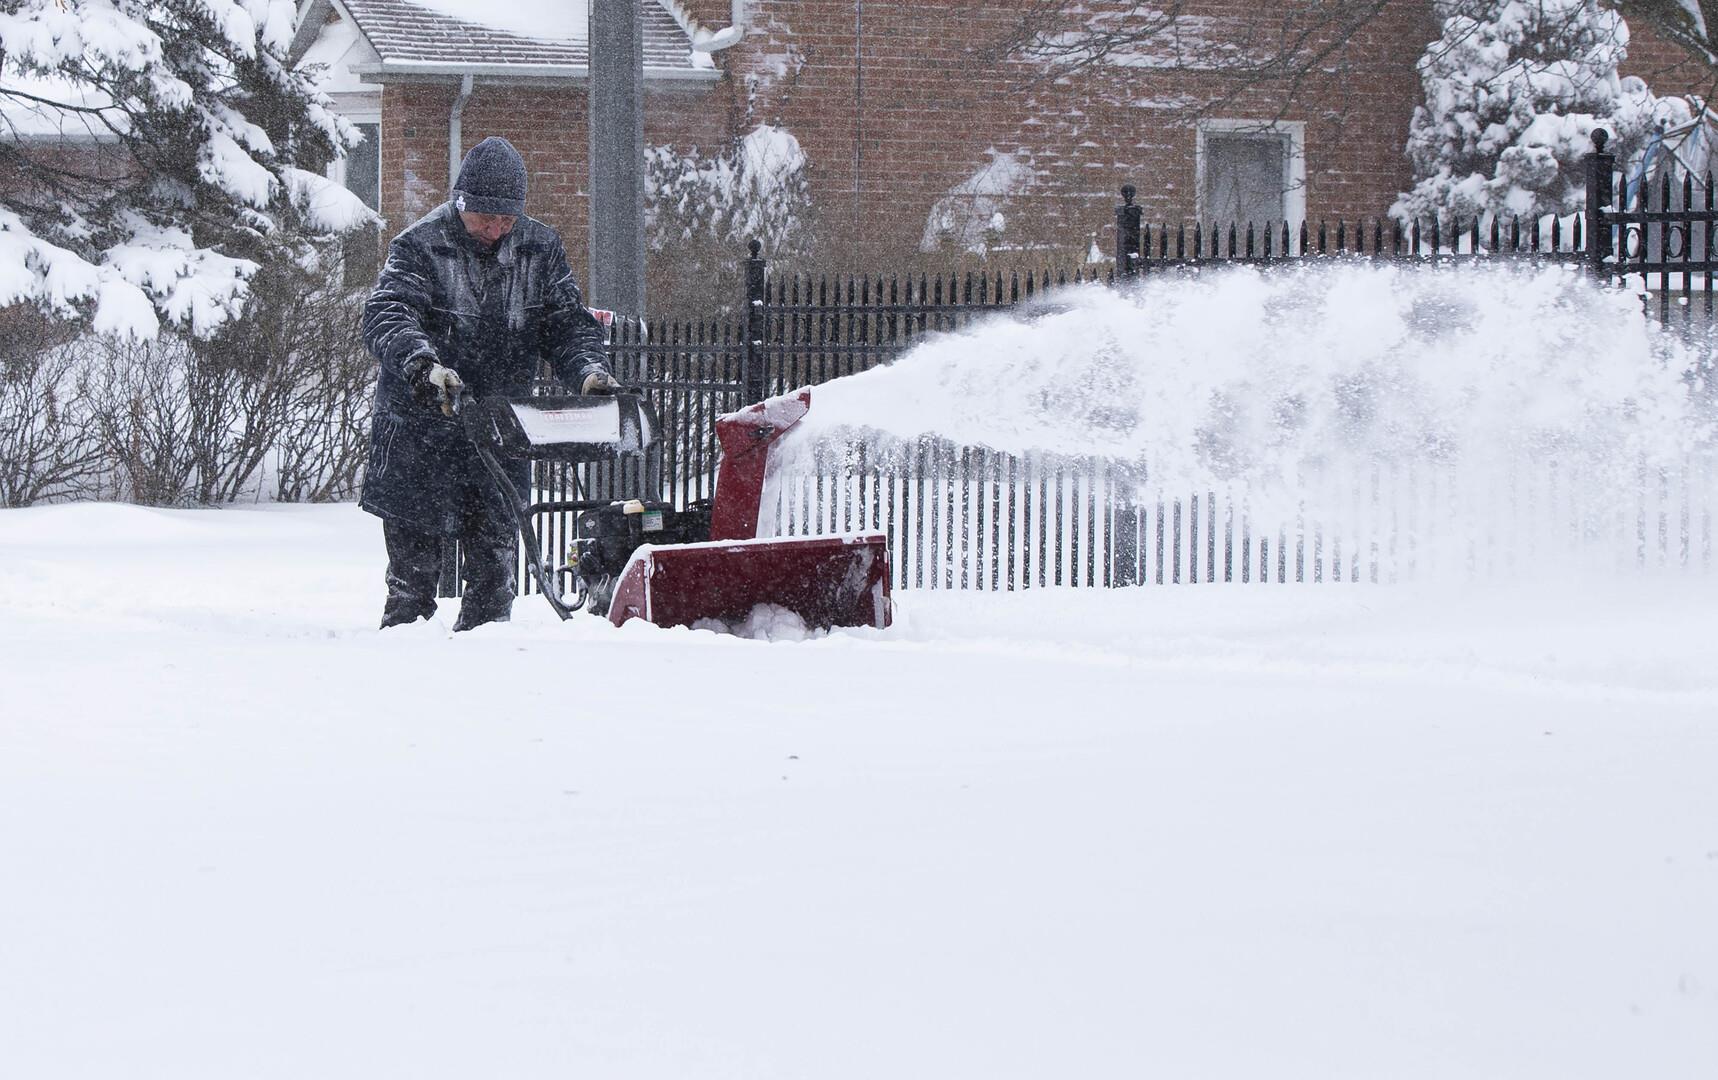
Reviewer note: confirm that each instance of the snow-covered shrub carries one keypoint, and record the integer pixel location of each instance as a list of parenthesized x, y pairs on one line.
[(209, 152), (276, 403), (701, 210), (282, 395), (322, 440), (755, 189), (178, 428), (1514, 89), (48, 448), (973, 217)]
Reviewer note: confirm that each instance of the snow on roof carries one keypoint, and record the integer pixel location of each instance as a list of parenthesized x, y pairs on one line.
[(409, 34), (340, 50), (547, 20)]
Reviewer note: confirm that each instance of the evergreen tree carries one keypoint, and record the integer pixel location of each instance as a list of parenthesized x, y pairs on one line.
[(153, 155), (1514, 89)]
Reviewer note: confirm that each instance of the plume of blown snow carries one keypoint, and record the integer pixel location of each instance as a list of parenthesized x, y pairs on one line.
[(1249, 379)]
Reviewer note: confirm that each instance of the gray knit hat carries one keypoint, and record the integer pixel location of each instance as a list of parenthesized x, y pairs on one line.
[(491, 179)]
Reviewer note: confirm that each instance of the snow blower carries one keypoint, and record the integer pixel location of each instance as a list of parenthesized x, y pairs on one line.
[(640, 558)]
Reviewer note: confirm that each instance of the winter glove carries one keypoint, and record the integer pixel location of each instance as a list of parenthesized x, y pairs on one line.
[(599, 382), (434, 384), (448, 387)]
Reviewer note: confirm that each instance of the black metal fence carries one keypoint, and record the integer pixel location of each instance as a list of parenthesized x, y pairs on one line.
[(974, 518), (802, 330)]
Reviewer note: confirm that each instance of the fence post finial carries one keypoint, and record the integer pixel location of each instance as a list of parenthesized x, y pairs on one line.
[(1127, 234), (1601, 167), (753, 361)]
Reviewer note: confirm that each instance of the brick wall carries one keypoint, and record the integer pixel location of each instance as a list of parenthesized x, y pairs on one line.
[(1665, 66), (889, 118), (934, 102)]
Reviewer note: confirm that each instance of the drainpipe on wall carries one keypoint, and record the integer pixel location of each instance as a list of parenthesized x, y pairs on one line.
[(455, 152), (727, 37)]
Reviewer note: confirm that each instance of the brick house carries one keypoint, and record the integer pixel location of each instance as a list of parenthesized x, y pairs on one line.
[(917, 131)]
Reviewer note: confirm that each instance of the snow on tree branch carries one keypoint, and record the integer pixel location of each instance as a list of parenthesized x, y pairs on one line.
[(1513, 92), (154, 271), (156, 152), (1689, 23), (323, 204), (1279, 46)]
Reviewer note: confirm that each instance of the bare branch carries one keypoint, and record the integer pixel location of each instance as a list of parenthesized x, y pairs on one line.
[(1277, 47)]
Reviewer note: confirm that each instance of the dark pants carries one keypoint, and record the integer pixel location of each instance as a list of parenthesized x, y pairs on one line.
[(414, 565)]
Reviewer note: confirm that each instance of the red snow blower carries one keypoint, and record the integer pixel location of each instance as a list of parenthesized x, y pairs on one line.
[(640, 558)]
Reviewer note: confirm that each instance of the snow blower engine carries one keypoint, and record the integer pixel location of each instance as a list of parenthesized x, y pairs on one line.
[(639, 557)]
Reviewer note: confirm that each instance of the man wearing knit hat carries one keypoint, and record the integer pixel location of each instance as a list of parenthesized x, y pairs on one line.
[(475, 296)]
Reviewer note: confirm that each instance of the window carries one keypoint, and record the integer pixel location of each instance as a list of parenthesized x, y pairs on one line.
[(363, 166), (361, 173), (1251, 171)]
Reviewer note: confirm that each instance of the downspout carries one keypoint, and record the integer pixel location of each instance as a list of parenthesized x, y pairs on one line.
[(455, 153), (726, 37)]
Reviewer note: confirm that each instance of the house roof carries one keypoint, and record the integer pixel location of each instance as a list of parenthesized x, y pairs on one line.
[(454, 36)]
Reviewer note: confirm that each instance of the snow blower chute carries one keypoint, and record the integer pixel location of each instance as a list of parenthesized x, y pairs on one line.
[(640, 558)]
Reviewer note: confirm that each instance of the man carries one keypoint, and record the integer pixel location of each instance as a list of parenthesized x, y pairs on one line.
[(474, 296)]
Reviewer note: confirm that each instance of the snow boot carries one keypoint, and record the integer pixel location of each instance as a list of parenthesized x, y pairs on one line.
[(473, 615), (400, 610)]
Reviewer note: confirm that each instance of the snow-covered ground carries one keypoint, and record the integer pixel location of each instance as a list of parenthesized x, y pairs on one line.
[(1196, 831)]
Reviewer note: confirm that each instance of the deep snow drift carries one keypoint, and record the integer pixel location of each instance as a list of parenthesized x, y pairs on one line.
[(1301, 832)]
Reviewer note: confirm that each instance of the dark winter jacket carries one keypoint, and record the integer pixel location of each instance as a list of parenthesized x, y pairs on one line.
[(492, 317)]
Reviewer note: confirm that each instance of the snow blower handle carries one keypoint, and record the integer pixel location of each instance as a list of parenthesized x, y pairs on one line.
[(481, 431)]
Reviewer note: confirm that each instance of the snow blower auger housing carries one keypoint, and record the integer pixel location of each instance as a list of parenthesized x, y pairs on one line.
[(640, 558)]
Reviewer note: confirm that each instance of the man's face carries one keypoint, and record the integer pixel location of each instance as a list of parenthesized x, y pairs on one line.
[(487, 229)]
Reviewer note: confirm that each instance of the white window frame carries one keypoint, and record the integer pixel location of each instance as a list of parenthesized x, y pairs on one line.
[(1293, 133), (336, 170)]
